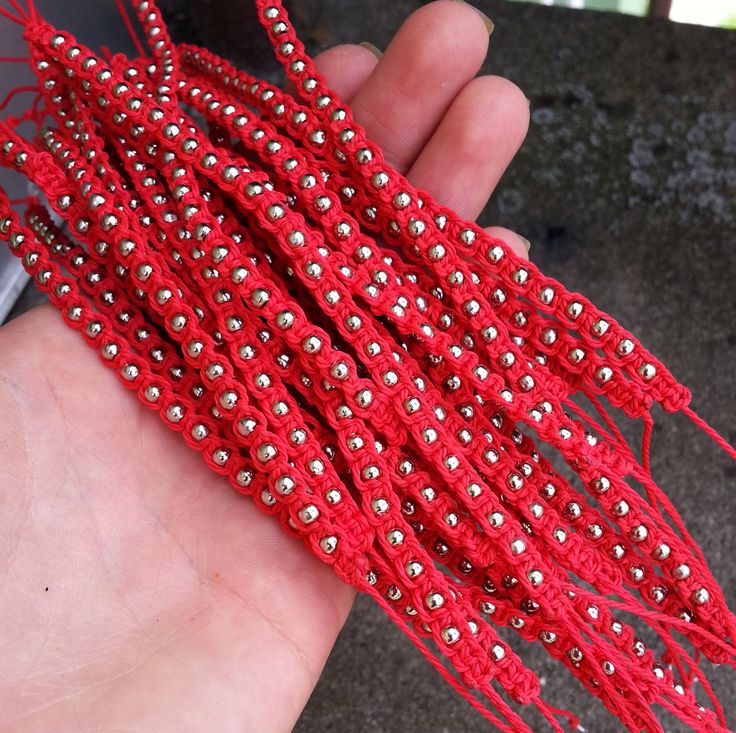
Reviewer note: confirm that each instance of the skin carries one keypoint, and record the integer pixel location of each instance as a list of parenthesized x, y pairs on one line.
[(137, 591)]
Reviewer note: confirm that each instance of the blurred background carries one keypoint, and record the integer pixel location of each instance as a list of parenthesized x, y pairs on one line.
[(626, 187), (99, 24), (720, 13)]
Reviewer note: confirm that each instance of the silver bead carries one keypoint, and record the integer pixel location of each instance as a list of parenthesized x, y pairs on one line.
[(274, 212), (380, 505), (333, 496), (658, 593), (268, 498), (308, 514), (498, 652), (152, 393), (244, 478), (429, 435), (487, 607), (312, 344), (395, 537), (700, 597), (340, 370), (625, 347), (639, 533), (428, 494), (473, 490), (221, 456), (230, 173), (355, 443), (535, 577), (549, 336), (450, 635), (436, 252), (228, 399), (379, 180), (600, 327), (412, 405), (371, 472), (434, 600), (130, 372), (328, 544), (364, 397), (520, 276), (576, 355), (266, 452), (467, 236), (574, 309), (285, 319), (262, 380), (518, 546), (604, 374), (313, 270), (401, 200), (600, 485), (514, 482), (416, 227), (495, 254), (639, 648), (546, 295), (390, 378), (200, 432), (284, 485)]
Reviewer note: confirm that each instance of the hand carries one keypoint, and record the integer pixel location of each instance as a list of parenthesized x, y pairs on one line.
[(138, 592)]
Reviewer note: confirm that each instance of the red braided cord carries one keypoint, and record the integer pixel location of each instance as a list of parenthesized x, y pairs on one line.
[(225, 271)]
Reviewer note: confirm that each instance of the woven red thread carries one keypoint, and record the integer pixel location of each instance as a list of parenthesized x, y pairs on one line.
[(300, 122), (378, 397), (130, 254), (204, 109)]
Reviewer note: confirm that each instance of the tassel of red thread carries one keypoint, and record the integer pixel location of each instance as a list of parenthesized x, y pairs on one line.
[(222, 271)]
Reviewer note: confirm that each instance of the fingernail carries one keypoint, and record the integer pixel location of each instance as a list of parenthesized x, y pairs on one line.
[(526, 242), (373, 49), (487, 22)]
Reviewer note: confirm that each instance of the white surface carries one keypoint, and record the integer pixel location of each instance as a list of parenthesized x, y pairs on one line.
[(13, 279)]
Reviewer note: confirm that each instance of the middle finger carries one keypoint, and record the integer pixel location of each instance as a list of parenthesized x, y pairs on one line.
[(433, 55)]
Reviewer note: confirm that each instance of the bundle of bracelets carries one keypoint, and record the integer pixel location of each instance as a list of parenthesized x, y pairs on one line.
[(385, 379)]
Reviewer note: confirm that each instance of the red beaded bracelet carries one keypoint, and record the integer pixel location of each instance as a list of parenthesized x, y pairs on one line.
[(375, 372)]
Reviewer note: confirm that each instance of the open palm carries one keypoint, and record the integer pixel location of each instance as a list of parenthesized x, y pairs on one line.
[(137, 592)]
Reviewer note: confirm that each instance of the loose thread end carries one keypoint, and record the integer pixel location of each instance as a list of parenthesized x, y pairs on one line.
[(711, 432)]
